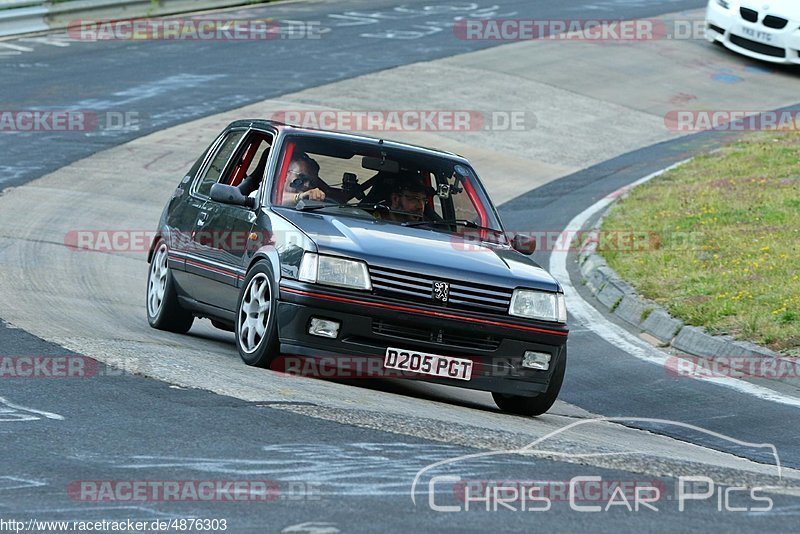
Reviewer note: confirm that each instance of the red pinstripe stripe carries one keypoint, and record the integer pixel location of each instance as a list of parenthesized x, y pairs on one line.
[(423, 312), (208, 267)]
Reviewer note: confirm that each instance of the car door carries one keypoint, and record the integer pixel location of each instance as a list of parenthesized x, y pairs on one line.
[(181, 214), (224, 231), (197, 236)]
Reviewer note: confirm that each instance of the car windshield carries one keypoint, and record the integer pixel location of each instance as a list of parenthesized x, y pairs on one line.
[(395, 185)]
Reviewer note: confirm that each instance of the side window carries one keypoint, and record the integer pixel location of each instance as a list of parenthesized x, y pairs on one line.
[(251, 161), (218, 163), (259, 157)]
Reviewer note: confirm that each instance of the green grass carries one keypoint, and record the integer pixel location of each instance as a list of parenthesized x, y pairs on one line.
[(723, 247)]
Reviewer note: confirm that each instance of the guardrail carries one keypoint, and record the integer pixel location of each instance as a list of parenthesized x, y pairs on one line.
[(30, 16), (22, 16)]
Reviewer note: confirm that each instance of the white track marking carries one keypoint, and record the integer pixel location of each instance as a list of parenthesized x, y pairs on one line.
[(12, 483), (18, 48), (50, 40), (592, 319), (29, 415), (137, 93)]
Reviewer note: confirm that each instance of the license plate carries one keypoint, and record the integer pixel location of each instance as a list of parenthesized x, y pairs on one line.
[(428, 364), (764, 37)]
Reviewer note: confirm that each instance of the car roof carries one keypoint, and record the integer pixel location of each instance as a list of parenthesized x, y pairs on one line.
[(342, 136)]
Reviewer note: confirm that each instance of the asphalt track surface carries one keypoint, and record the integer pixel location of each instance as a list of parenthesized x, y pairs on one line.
[(127, 427), (168, 86)]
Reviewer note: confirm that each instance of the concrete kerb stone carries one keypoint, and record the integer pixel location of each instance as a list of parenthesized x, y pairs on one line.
[(699, 343), (661, 325), (610, 295), (598, 278), (633, 310), (621, 299)]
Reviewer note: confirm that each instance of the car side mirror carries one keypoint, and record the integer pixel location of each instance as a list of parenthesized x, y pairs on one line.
[(524, 244), (229, 194)]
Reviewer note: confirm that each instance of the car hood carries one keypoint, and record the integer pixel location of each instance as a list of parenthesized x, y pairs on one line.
[(784, 8), (421, 250)]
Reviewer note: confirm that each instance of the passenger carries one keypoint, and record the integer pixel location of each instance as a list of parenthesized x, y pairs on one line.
[(302, 176)]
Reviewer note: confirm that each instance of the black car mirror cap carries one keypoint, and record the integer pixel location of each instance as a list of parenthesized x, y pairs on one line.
[(229, 194), (524, 244)]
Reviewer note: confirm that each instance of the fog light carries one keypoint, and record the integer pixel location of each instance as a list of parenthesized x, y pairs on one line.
[(536, 360), (323, 328)]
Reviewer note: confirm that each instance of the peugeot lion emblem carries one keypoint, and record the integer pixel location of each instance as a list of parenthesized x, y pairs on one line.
[(441, 291)]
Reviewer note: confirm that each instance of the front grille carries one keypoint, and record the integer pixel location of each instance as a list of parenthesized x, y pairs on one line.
[(777, 23), (749, 15), (760, 48), (441, 336), (419, 288)]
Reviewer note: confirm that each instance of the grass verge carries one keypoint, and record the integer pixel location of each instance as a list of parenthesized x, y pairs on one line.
[(719, 240)]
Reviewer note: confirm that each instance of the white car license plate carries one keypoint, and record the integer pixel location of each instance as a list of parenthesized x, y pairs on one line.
[(428, 364), (764, 37)]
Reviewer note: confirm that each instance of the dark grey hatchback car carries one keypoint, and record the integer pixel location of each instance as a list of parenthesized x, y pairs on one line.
[(362, 253)]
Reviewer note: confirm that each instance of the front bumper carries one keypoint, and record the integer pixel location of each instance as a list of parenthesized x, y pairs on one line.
[(753, 39), (369, 325)]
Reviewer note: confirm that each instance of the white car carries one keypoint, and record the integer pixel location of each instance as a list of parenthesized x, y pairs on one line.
[(768, 30)]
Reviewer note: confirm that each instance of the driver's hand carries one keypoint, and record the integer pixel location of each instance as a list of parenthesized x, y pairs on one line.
[(313, 194)]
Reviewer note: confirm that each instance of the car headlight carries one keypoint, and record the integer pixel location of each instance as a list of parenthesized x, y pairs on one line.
[(724, 4), (538, 305), (334, 271)]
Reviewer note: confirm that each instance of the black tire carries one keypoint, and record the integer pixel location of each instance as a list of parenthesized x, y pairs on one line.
[(540, 403), (257, 349), (166, 313)]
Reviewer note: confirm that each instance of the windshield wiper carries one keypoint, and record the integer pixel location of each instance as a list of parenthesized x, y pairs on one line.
[(460, 222), (371, 206), (313, 205)]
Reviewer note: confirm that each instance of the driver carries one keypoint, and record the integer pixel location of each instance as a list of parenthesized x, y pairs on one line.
[(303, 173), (410, 196)]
